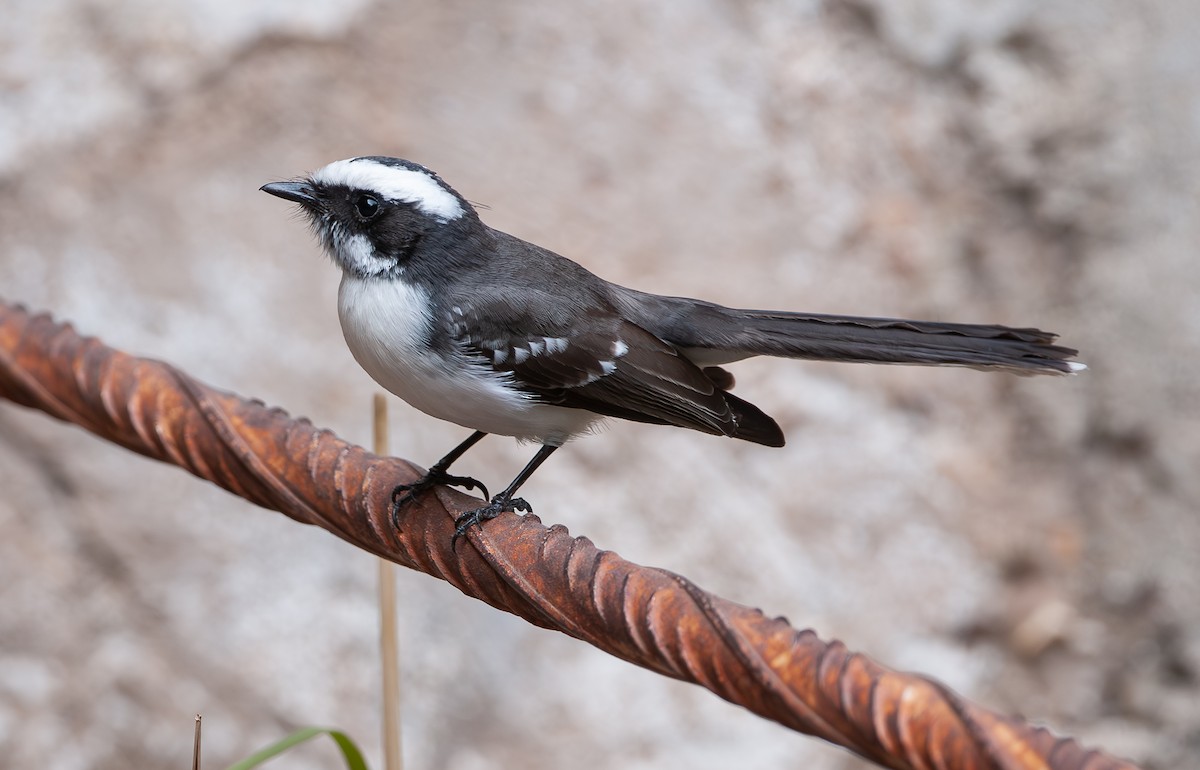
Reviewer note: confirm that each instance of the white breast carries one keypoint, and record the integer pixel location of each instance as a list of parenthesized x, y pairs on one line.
[(387, 323)]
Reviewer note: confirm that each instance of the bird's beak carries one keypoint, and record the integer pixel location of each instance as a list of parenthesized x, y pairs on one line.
[(297, 192)]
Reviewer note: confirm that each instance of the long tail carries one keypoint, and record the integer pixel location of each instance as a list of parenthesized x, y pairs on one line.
[(896, 341), (715, 334)]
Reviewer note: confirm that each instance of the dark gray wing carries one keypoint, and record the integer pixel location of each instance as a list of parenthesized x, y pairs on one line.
[(607, 365)]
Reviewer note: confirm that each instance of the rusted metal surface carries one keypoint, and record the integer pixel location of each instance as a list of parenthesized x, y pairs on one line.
[(649, 617)]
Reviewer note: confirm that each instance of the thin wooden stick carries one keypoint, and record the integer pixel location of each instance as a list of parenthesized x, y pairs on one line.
[(196, 746), (389, 646)]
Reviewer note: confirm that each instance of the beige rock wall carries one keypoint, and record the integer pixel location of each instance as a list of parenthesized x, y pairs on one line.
[(1030, 542)]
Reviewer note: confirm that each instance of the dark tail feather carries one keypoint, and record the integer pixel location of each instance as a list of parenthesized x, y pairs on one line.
[(712, 334), (896, 341)]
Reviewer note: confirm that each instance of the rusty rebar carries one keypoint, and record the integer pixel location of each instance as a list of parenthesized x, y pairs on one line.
[(649, 617)]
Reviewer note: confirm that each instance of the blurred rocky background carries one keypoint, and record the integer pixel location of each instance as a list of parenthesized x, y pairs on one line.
[(1032, 543)]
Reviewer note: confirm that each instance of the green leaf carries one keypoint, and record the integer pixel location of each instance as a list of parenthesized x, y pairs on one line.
[(354, 758)]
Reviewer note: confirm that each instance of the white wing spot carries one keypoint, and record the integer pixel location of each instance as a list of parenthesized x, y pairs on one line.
[(608, 366), (456, 310), (520, 356), (499, 356), (536, 348), (556, 344), (620, 348)]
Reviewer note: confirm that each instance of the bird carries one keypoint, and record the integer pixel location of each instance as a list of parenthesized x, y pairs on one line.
[(485, 330)]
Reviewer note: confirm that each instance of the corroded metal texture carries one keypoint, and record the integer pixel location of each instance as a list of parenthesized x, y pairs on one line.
[(650, 617)]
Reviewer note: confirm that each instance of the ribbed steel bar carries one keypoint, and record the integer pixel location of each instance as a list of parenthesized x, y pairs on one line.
[(649, 617)]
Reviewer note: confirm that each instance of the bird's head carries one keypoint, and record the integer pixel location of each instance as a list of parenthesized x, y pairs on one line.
[(371, 213)]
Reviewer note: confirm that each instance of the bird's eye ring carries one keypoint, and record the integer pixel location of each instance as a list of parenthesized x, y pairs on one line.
[(367, 206)]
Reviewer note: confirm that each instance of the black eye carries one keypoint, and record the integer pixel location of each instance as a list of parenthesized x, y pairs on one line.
[(367, 206)]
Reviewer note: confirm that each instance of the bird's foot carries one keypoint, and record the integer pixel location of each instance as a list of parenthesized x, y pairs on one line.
[(499, 504), (407, 493)]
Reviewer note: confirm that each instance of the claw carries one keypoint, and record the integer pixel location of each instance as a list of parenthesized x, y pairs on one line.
[(465, 482), (477, 517), (406, 493)]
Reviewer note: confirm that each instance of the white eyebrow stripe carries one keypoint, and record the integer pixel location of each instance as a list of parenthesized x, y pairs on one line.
[(394, 183)]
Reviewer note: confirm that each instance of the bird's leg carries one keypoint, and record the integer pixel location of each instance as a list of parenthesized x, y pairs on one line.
[(504, 501), (406, 493)]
